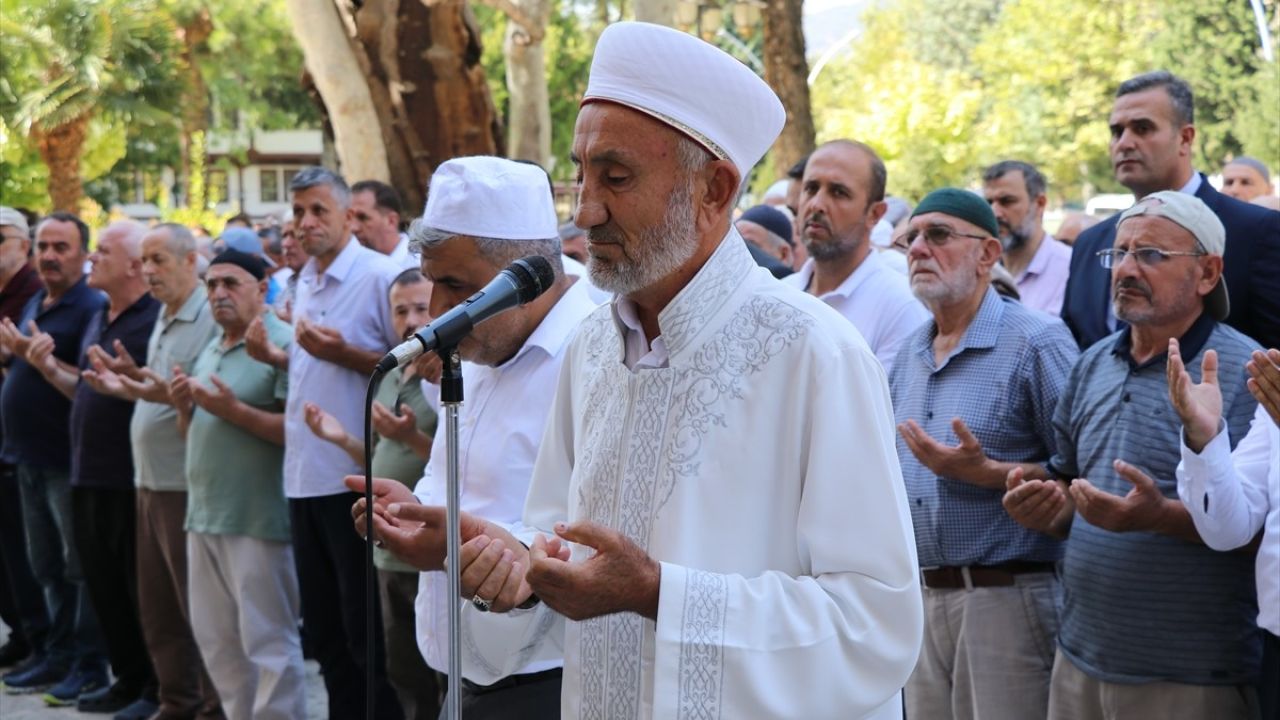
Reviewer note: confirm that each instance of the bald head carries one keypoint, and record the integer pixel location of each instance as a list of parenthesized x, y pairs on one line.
[(117, 261)]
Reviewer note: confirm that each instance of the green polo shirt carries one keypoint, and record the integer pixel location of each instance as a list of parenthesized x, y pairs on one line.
[(235, 479), (396, 460)]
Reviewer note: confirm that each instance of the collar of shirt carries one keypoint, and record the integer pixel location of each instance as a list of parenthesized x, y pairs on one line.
[(1193, 184), (639, 352), (1040, 261), (695, 307), (983, 331), (341, 265), (869, 267), (72, 295), (1189, 344), (558, 326), (192, 306)]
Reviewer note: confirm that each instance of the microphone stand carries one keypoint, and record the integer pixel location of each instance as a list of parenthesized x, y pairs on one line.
[(450, 400)]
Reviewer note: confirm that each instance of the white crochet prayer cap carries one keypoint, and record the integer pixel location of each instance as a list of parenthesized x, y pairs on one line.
[(491, 197), (690, 85)]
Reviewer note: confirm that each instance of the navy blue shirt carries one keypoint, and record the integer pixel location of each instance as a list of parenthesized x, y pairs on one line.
[(35, 413), (101, 455)]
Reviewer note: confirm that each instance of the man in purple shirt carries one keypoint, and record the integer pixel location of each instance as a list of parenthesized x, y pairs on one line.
[(1039, 263)]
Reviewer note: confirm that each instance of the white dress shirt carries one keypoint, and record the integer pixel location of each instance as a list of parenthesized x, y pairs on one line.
[(1232, 495), (877, 300), (350, 297), (401, 255), (500, 427)]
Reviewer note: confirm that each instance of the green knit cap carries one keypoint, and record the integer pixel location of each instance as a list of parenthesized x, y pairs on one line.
[(960, 204)]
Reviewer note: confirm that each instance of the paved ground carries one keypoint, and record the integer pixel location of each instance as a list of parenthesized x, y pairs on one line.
[(31, 707)]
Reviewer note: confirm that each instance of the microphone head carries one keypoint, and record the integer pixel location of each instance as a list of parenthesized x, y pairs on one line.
[(533, 275)]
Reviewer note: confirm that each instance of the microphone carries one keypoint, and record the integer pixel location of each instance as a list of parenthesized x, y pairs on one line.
[(521, 281)]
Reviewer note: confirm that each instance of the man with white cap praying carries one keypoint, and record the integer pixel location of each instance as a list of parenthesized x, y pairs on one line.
[(716, 523), (483, 213)]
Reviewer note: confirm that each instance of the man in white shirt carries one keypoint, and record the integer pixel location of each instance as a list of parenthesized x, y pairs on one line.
[(375, 221), (1231, 495), (510, 367), (1039, 263), (841, 200), (342, 327), (729, 535)]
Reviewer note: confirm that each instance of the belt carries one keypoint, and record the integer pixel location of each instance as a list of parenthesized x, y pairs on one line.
[(511, 681), (972, 576)]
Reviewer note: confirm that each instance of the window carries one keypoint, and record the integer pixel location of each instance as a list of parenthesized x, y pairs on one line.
[(218, 188), (269, 184)]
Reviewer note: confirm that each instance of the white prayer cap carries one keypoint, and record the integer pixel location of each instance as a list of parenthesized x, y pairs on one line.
[(690, 85), (491, 197)]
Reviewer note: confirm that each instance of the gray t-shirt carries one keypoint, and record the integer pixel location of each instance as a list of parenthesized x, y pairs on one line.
[(159, 452)]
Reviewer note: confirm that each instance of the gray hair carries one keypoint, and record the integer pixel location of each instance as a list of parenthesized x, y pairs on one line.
[(315, 175), (495, 251), (1255, 163), (178, 239), (1184, 106), (1031, 177)]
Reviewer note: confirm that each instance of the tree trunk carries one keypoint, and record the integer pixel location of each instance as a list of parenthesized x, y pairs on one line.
[(421, 62), (530, 131), (662, 12), (328, 56), (60, 148), (194, 32), (787, 72)]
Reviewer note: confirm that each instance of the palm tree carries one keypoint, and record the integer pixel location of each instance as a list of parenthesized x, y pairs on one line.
[(69, 60)]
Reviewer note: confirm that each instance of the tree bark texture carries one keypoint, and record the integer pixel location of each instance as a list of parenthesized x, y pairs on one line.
[(529, 134), (194, 32), (787, 72), (60, 148), (332, 64), (421, 63)]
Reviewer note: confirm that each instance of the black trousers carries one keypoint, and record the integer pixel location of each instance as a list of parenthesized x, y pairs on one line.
[(1269, 685), (330, 559), (105, 523), (535, 696), (21, 598)]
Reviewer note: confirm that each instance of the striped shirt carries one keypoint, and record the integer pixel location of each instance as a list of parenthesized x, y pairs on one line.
[(1003, 380), (1144, 607)]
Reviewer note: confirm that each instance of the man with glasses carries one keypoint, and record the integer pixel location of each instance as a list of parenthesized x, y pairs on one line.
[(1152, 134), (974, 391), (1154, 623)]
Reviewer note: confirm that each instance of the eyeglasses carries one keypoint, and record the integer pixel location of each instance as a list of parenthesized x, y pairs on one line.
[(935, 235), (1147, 256)]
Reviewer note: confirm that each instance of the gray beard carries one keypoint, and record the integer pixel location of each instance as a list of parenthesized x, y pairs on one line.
[(657, 252)]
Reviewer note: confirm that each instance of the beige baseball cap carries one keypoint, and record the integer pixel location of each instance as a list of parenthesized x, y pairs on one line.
[(1190, 212)]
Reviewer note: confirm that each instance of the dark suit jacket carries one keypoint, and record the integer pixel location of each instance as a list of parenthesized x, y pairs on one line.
[(1251, 268)]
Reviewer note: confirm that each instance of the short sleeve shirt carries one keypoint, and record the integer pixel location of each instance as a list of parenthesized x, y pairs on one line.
[(234, 481), (35, 412), (159, 451), (350, 296), (101, 456)]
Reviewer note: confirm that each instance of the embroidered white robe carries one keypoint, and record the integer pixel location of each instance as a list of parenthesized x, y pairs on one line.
[(760, 469)]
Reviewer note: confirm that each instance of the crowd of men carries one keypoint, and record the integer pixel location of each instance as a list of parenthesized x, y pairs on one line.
[(935, 461)]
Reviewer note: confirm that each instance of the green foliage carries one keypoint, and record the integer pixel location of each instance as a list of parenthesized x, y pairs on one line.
[(200, 210), (943, 90)]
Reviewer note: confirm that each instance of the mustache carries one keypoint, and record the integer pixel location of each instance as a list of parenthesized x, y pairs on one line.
[(1133, 284), (50, 265), (223, 304), (818, 218), (604, 235)]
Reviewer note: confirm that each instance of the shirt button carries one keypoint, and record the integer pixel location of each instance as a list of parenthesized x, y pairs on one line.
[(929, 415), (1125, 397)]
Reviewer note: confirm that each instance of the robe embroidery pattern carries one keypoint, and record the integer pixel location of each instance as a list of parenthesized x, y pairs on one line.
[(663, 415)]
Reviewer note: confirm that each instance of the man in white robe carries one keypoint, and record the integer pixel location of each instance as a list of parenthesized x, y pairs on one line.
[(728, 530)]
